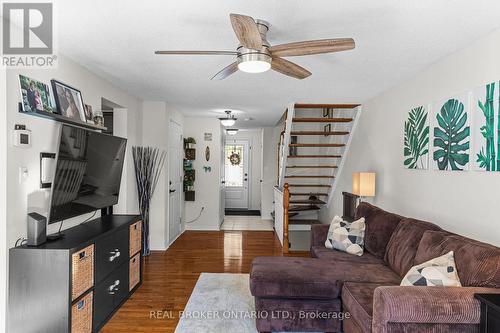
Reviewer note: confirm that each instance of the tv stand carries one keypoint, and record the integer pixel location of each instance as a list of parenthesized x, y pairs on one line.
[(77, 282)]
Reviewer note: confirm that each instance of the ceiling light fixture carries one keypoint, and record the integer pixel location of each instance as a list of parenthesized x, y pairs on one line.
[(254, 62), (229, 120), (232, 131)]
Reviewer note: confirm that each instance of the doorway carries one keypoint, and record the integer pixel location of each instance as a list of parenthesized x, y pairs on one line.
[(175, 181), (236, 174)]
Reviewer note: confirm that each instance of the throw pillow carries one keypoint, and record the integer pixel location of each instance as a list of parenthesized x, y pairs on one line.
[(346, 236), (440, 271)]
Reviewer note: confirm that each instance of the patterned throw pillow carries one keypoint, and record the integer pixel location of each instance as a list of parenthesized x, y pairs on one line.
[(440, 271), (346, 236)]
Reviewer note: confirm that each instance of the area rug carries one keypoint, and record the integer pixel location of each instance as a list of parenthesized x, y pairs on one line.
[(219, 303)]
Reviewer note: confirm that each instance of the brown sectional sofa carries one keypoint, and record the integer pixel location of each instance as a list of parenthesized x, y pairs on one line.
[(367, 287)]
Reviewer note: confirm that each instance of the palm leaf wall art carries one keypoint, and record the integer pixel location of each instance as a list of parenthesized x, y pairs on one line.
[(452, 136), (484, 129), (416, 139)]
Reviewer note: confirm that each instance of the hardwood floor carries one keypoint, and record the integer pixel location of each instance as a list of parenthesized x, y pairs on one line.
[(170, 276)]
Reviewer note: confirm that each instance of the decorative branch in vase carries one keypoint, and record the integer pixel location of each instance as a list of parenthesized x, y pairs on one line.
[(148, 163)]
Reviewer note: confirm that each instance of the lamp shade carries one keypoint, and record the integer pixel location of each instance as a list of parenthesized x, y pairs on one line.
[(363, 184)]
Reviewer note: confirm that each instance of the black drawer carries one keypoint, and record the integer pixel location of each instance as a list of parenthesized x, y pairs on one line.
[(109, 294), (111, 252)]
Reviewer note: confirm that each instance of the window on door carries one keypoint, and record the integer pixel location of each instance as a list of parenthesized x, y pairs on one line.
[(234, 165)]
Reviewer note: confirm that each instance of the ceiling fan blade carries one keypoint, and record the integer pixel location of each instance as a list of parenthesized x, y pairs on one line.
[(197, 52), (312, 47), (226, 71), (289, 68), (246, 30)]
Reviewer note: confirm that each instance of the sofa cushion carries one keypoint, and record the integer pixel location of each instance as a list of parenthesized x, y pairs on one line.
[(323, 253), (346, 236), (478, 264), (357, 299), (437, 272), (288, 277), (379, 227), (404, 242)]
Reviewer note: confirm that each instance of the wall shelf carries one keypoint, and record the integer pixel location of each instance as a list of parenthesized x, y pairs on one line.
[(61, 119)]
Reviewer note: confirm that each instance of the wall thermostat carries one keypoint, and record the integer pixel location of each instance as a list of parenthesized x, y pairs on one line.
[(21, 137)]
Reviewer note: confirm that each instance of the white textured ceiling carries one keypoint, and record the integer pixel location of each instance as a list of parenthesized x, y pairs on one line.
[(395, 39)]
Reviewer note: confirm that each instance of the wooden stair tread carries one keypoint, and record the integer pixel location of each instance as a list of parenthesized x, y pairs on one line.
[(325, 106), (308, 202), (321, 120), (312, 193), (308, 176), (309, 185), (314, 156), (317, 145), (318, 133), (302, 208), (303, 222), (312, 166)]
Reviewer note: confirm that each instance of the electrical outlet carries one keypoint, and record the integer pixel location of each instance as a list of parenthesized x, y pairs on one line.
[(23, 174)]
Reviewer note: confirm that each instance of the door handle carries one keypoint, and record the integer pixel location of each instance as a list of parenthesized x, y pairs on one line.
[(114, 287), (246, 179), (114, 254), (171, 191)]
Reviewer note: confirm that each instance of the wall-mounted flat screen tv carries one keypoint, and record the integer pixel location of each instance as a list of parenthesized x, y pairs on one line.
[(88, 172)]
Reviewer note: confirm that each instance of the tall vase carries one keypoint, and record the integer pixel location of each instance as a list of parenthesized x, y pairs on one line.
[(148, 164)]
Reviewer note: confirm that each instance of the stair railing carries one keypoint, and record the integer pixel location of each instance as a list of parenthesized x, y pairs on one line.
[(285, 143), (286, 203)]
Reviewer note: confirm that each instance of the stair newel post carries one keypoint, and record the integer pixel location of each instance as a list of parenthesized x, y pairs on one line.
[(286, 198)]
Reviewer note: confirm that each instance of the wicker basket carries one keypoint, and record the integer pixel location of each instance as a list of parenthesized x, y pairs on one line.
[(134, 271), (82, 271), (135, 238), (81, 315)]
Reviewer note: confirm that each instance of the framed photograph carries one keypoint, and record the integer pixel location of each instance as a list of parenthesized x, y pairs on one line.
[(89, 115), (36, 95), (327, 128), (69, 101)]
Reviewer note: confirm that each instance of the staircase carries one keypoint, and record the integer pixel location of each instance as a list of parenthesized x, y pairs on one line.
[(313, 144)]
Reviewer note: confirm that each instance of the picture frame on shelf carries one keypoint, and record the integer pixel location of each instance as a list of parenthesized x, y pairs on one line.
[(326, 112), (36, 95), (89, 115), (69, 101)]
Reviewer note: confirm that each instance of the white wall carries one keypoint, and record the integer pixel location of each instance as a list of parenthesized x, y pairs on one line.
[(254, 138), (3, 199), (462, 202), (207, 184), (270, 138), (155, 128)]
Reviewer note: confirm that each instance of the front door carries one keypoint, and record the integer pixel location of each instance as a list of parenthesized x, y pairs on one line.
[(236, 175), (175, 181)]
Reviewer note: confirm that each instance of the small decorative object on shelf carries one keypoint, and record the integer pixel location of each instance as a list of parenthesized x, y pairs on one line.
[(207, 153), (189, 143), (89, 117), (490, 312), (98, 118)]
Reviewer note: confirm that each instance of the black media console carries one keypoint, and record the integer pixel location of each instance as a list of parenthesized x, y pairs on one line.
[(75, 284)]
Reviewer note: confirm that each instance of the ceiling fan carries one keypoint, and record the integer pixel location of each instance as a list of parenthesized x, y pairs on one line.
[(256, 55)]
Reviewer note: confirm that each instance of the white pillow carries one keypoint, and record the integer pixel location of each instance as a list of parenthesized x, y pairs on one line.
[(440, 271), (346, 236)]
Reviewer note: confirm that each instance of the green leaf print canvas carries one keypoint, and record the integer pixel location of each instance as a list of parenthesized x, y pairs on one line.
[(416, 139), (451, 134)]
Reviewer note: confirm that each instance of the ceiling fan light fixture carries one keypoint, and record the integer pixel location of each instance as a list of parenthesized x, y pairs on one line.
[(254, 62), (232, 131), (228, 122)]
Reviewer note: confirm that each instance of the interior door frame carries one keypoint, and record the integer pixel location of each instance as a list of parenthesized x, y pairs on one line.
[(181, 167), (248, 144)]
